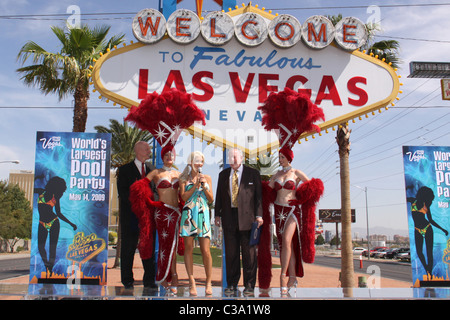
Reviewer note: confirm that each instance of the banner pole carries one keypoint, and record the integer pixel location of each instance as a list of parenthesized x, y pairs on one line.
[(224, 269)]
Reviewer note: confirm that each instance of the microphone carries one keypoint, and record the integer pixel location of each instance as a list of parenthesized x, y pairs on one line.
[(200, 171)]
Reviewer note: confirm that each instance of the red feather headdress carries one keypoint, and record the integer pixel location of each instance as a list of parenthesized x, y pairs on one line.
[(290, 114), (165, 115)]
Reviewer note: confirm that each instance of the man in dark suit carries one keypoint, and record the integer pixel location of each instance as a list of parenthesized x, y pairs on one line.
[(129, 228), (237, 214)]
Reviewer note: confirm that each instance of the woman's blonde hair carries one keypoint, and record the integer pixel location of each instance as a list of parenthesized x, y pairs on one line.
[(186, 172)]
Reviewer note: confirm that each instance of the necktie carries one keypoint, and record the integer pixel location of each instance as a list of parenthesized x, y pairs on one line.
[(143, 170), (234, 190)]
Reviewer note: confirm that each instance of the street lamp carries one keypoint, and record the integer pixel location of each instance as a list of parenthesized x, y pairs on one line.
[(367, 221), (10, 161)]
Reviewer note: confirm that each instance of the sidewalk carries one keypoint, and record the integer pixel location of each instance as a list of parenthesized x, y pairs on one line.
[(315, 276)]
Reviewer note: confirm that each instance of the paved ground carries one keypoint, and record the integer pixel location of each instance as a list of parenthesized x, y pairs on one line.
[(315, 276)]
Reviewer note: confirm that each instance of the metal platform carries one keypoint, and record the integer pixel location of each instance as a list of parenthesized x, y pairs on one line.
[(95, 292)]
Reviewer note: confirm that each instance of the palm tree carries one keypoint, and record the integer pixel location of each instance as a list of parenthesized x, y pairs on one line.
[(347, 271), (267, 164), (67, 71), (389, 50), (123, 139)]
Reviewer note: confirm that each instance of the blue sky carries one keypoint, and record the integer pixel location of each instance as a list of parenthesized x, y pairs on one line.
[(420, 117)]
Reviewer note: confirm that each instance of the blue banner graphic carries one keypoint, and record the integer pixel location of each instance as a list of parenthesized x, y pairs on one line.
[(427, 183), (70, 208)]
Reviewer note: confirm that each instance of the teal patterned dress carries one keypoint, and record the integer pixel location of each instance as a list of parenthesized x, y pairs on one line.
[(196, 217)]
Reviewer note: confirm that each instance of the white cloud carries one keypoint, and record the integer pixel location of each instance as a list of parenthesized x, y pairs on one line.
[(414, 24)]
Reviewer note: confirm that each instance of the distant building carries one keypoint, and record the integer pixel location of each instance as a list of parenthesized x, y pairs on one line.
[(378, 237), (401, 239), (328, 235), (25, 180)]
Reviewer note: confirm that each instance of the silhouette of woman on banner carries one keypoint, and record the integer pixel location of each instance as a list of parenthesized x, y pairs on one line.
[(49, 220), (421, 214)]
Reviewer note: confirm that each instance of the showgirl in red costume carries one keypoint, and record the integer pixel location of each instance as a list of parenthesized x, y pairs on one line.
[(292, 193), (164, 116)]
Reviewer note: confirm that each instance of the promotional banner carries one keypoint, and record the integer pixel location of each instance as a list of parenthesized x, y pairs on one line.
[(427, 182), (70, 208)]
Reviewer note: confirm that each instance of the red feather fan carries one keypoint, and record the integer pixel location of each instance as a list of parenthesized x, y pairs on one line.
[(165, 115), (142, 205), (292, 113), (308, 194)]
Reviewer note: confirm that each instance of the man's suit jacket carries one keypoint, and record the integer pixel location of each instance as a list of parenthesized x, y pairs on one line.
[(126, 176), (249, 198)]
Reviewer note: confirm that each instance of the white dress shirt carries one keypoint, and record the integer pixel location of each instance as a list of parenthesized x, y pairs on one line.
[(138, 165)]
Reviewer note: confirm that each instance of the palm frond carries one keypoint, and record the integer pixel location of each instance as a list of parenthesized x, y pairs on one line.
[(67, 71), (387, 49), (31, 49), (60, 34), (123, 139)]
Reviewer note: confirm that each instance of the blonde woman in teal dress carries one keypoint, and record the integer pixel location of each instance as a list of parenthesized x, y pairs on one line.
[(196, 191)]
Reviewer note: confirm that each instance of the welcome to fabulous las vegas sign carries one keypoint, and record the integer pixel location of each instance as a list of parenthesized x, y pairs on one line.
[(230, 62)]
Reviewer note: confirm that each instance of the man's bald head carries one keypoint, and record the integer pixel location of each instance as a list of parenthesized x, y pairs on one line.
[(142, 151)]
